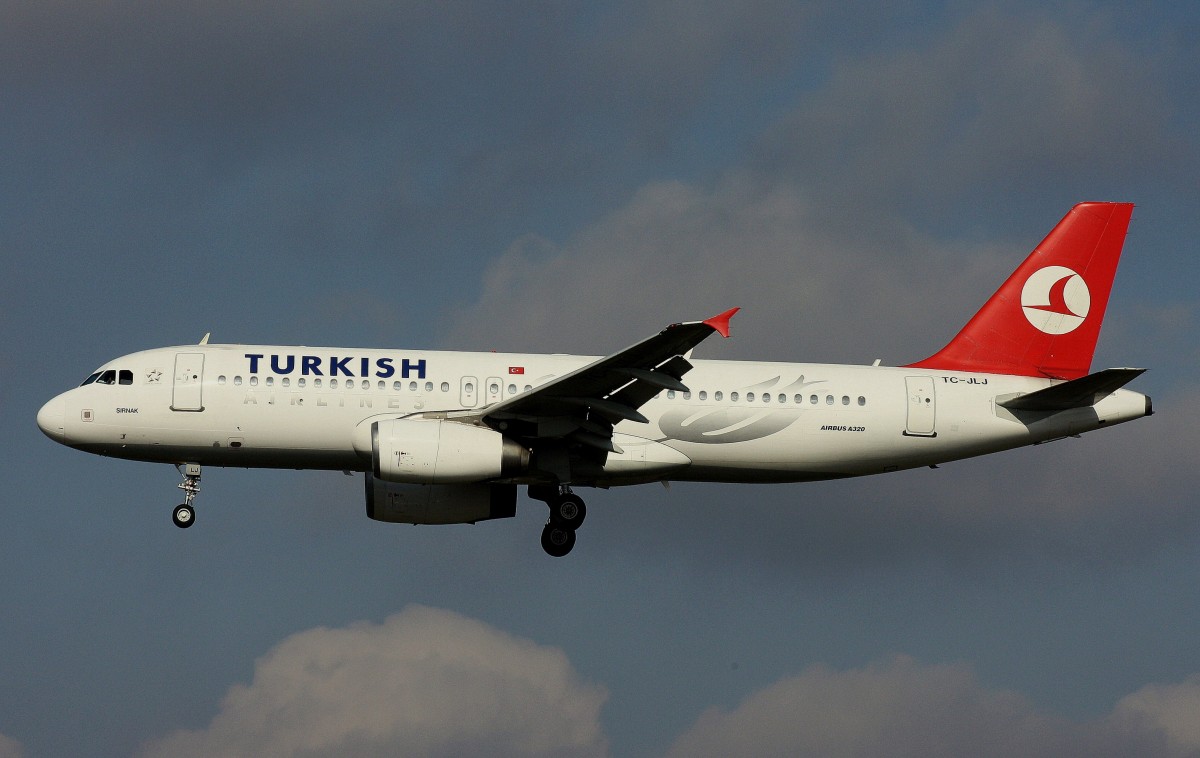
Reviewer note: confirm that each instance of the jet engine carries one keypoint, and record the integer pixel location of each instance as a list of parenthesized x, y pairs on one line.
[(439, 503), (430, 451)]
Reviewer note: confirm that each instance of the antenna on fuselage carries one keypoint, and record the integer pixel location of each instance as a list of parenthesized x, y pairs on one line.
[(204, 339)]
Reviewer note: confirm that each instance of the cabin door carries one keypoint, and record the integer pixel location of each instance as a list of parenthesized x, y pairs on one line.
[(189, 382), (922, 407)]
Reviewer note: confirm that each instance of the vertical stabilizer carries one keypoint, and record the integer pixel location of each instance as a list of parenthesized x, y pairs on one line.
[(1045, 319)]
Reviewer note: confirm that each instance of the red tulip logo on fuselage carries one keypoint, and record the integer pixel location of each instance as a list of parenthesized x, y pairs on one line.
[(1056, 300)]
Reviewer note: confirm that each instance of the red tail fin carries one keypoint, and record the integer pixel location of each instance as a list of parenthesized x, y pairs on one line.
[(1045, 320)]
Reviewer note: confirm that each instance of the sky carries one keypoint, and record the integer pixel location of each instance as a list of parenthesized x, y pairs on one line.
[(570, 177)]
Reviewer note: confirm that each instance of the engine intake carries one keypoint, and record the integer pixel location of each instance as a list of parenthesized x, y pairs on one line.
[(429, 451)]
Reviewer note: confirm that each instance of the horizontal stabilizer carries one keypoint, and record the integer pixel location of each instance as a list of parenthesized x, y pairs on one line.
[(1077, 393)]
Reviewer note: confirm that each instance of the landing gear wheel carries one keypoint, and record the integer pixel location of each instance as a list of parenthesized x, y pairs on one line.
[(567, 511), (183, 516), (557, 540)]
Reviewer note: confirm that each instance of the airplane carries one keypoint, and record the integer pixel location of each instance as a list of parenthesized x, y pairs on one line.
[(448, 437)]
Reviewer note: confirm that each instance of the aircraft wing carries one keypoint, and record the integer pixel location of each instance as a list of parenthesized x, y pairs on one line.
[(581, 408)]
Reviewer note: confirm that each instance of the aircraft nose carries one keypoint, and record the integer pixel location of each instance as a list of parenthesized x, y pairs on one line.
[(51, 417)]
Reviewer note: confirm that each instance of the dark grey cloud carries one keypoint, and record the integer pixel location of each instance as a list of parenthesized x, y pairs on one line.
[(469, 107), (1008, 104)]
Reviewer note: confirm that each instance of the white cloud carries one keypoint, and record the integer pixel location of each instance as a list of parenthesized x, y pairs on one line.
[(677, 251), (10, 748), (1175, 708), (424, 682), (903, 708), (431, 682)]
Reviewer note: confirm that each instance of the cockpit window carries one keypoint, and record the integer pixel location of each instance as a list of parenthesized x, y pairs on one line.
[(124, 377), (90, 379), (108, 377)]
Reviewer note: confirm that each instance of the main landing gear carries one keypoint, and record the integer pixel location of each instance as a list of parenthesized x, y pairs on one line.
[(184, 514), (567, 513)]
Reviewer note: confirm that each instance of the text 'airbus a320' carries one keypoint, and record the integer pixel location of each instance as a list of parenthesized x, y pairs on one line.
[(448, 437)]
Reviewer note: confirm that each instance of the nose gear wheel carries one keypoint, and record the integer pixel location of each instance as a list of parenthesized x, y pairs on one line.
[(184, 514)]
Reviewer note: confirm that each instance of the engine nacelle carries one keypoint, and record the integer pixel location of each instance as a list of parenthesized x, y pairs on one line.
[(430, 451), (439, 503)]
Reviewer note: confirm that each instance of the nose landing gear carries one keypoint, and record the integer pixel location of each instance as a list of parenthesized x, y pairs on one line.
[(184, 514)]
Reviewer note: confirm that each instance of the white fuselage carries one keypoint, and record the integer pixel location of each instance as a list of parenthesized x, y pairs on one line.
[(742, 421)]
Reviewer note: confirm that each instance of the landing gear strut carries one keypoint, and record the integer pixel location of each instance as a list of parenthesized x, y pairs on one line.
[(184, 514), (567, 513)]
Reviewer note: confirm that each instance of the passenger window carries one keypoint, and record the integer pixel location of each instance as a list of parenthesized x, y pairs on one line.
[(332, 383), (470, 387), (749, 397), (395, 386), (300, 382), (382, 385), (782, 398), (733, 397), (445, 386), (270, 381), (237, 380), (812, 399), (862, 400), (799, 399), (703, 395), (670, 394), (412, 386), (687, 396), (829, 400), (845, 400), (429, 386), (221, 379), (718, 396), (286, 382), (366, 384), (528, 387), (317, 382), (254, 381), (766, 397), (512, 389), (125, 377)]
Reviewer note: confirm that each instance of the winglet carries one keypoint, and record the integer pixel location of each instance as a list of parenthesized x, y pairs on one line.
[(720, 322)]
